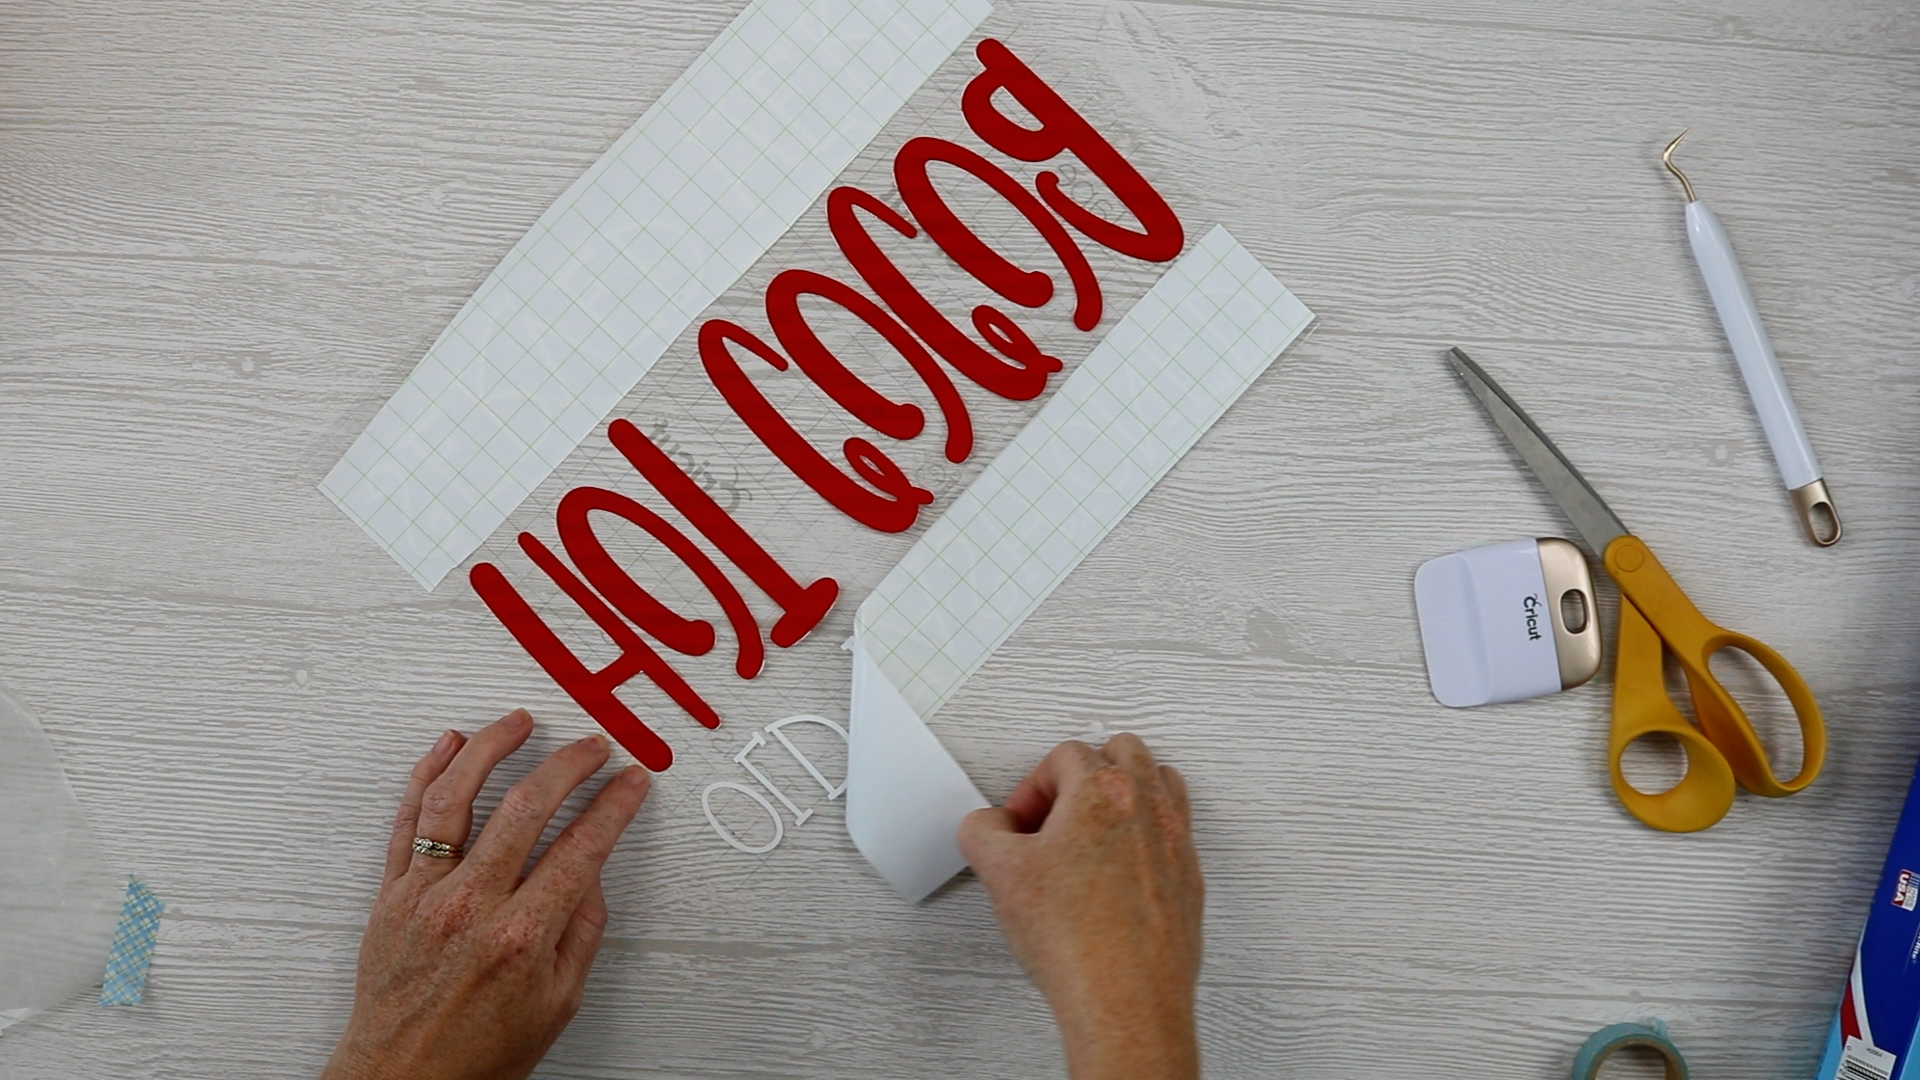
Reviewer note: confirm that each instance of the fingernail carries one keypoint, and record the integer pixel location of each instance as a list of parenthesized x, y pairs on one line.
[(445, 744), (592, 740), (633, 776)]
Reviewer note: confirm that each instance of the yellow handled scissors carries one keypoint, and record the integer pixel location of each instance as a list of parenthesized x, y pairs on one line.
[(1657, 618)]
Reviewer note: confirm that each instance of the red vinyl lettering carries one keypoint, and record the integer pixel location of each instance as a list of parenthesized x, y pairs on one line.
[(592, 690), (1005, 335), (1063, 129), (1021, 380), (693, 637), (1028, 288), (892, 509), (871, 488), (804, 606), (900, 421)]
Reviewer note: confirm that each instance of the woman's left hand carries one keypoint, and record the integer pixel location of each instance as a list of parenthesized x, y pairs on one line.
[(468, 970)]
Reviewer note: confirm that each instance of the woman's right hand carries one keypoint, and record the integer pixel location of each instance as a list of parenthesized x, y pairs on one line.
[(1096, 883)]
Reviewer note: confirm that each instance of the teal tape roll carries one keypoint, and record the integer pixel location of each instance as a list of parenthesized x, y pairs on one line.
[(132, 949), (1603, 1044)]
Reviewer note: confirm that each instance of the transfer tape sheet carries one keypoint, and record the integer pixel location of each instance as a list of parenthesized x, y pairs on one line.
[(615, 270), (1139, 401), (59, 895)]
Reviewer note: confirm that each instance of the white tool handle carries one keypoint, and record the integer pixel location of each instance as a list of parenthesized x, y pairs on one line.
[(1768, 387)]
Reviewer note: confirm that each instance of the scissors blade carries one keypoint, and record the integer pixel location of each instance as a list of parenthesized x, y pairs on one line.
[(1585, 508)]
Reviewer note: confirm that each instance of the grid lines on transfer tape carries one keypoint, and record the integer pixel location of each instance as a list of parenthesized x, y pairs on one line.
[(741, 144), (1139, 401)]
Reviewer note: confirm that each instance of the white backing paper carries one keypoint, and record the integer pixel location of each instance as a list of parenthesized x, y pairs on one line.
[(1139, 401), (615, 270)]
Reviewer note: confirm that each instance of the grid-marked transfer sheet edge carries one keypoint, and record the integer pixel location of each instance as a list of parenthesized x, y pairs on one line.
[(1145, 394), (741, 144)]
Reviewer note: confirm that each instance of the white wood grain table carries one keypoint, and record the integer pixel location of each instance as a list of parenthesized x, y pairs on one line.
[(228, 229)]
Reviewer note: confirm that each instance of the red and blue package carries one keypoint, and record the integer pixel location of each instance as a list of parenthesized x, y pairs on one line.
[(1877, 1032)]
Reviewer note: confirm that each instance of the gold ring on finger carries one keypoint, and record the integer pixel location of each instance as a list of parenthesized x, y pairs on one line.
[(434, 849)]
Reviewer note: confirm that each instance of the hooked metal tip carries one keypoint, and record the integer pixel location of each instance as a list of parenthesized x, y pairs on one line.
[(1666, 158)]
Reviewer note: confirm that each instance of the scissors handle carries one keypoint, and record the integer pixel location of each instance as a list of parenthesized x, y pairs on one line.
[(1646, 586), (1641, 707)]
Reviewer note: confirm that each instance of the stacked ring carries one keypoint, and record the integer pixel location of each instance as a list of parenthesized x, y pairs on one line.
[(434, 849)]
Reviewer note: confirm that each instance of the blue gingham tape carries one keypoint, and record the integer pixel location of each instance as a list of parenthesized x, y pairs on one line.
[(132, 949)]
